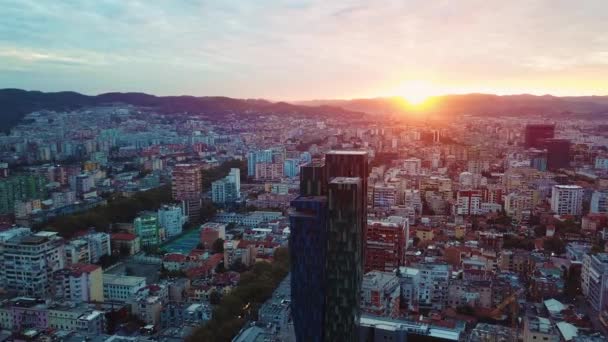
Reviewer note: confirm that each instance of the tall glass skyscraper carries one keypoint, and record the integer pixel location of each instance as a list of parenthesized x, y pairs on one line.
[(326, 247)]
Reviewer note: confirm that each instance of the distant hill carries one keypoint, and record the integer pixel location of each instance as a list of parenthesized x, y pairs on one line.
[(479, 104), (15, 103)]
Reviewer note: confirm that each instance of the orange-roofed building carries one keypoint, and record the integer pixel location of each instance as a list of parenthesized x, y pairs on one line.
[(125, 242)]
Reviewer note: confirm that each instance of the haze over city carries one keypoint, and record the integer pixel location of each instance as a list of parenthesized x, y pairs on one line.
[(303, 50), (304, 171)]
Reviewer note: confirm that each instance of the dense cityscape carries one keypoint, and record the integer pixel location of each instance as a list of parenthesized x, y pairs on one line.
[(304, 171), (120, 223)]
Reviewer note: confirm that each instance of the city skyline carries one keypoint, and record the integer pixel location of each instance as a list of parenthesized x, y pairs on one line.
[(301, 50)]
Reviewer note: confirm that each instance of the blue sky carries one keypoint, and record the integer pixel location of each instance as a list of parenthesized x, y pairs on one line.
[(305, 49)]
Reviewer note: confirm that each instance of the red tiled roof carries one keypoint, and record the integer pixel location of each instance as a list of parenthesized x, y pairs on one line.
[(79, 269), (174, 257), (245, 243), (123, 236)]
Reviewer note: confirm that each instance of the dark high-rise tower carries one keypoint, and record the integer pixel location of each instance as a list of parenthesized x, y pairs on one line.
[(351, 164), (558, 153), (327, 223), (343, 262), (347, 164), (535, 134), (313, 179), (307, 247)]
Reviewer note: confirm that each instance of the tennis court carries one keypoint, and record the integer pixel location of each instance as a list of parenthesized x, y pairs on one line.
[(184, 244)]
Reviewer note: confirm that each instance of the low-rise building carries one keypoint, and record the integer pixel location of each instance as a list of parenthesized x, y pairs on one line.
[(121, 288), (380, 294), (125, 243), (539, 329)]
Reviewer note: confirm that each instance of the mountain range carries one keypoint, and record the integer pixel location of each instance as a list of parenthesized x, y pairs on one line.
[(477, 104), (16, 103)]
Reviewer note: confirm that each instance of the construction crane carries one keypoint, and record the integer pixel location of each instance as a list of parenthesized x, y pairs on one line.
[(511, 301)]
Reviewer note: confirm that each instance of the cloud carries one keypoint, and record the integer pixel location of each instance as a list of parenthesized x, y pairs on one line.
[(299, 49)]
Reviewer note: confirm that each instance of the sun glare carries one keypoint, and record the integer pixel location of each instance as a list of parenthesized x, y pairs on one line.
[(415, 99), (416, 93)]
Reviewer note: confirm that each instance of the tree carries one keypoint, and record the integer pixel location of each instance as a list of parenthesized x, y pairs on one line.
[(554, 245), (215, 297), (208, 211), (218, 246), (573, 282), (238, 266), (540, 231), (255, 287)]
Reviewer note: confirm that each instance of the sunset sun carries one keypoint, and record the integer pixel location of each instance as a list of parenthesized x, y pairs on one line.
[(415, 92)]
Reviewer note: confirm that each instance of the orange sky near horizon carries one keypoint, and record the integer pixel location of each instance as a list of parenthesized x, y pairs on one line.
[(307, 49)]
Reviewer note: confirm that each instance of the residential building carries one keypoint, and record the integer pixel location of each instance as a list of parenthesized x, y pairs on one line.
[(210, 232), (385, 196), (468, 202), (484, 332), (268, 171), (594, 280), (599, 202), (186, 187), (255, 157), (385, 245), (291, 167), (433, 285), (76, 319), (476, 294), (125, 243), (120, 287), (539, 329), (20, 188), (147, 229), (380, 294), (79, 283), (99, 245), (601, 162), (176, 314), (567, 200), (171, 219), (412, 166), (28, 260), (234, 176), (409, 282), (77, 252), (223, 192)]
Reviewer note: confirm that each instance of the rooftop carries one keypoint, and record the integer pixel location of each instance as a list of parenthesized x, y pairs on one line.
[(568, 187), (124, 236), (122, 280), (348, 152)]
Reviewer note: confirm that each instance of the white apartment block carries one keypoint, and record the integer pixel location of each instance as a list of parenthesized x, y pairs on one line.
[(567, 200), (121, 288), (27, 261), (172, 219), (594, 280)]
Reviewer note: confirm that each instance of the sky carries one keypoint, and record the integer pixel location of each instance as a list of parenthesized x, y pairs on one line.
[(306, 49)]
